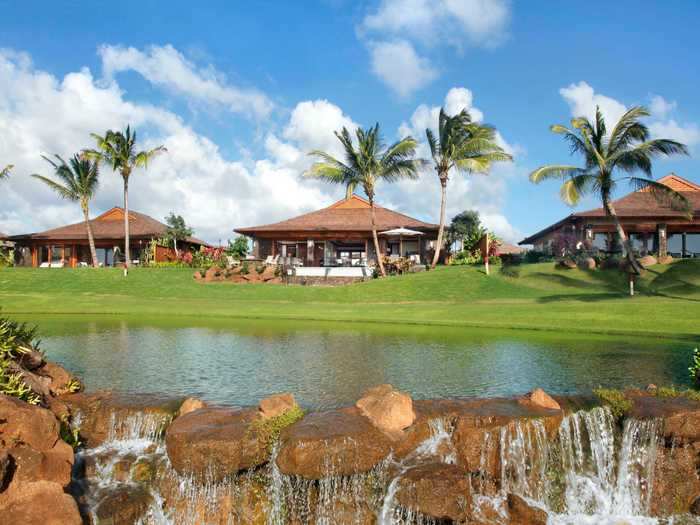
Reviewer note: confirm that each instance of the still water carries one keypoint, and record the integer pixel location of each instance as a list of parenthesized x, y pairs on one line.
[(329, 364)]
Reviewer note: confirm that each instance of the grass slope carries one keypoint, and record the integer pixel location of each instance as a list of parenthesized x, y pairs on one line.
[(542, 297)]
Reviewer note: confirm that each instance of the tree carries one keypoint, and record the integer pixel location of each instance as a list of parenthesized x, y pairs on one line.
[(465, 229), (77, 181), (238, 248), (119, 151), (367, 164), (626, 149), (5, 172), (464, 145), (177, 230)]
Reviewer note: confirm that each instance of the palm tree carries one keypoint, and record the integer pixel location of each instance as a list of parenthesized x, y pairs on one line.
[(627, 149), (78, 181), (119, 151), (468, 146), (365, 165), (5, 172)]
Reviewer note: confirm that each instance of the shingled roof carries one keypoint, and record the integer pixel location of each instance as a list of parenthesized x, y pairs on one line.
[(351, 214), (109, 225), (640, 204)]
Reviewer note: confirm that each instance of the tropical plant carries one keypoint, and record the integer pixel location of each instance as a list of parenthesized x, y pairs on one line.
[(626, 149), (694, 368), (366, 164), (77, 181), (238, 248), (5, 172), (177, 230), (118, 149), (464, 145)]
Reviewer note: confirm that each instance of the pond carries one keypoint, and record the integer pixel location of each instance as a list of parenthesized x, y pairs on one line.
[(327, 365)]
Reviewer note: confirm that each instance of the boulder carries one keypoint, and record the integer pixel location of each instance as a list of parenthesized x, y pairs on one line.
[(647, 260), (123, 505), (276, 405), (38, 503), (540, 398), (31, 359), (437, 490), (268, 274), (54, 464), (106, 414), (388, 409), (522, 513), (567, 264), (26, 425), (40, 385), (335, 442), (215, 442), (6, 469), (213, 274), (190, 405), (587, 263), (59, 378)]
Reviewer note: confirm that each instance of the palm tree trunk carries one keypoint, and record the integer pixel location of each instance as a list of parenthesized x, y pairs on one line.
[(127, 254), (376, 239), (91, 239), (441, 231), (626, 246)]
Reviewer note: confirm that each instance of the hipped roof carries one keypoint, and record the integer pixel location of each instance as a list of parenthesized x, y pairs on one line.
[(640, 204), (351, 214), (109, 225)]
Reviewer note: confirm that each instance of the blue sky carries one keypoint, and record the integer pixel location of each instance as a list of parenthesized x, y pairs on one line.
[(239, 92)]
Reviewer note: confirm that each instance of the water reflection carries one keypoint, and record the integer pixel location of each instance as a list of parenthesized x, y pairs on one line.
[(330, 364)]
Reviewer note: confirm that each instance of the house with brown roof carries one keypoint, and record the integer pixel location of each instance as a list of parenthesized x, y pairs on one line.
[(341, 236), (67, 246), (653, 226)]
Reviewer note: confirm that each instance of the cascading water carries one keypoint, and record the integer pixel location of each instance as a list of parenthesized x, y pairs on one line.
[(587, 472)]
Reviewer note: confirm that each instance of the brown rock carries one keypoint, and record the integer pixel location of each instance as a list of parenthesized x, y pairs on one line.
[(39, 384), (190, 405), (587, 263), (276, 405), (59, 378), (102, 413), (540, 398), (216, 441), (675, 480), (339, 442), (123, 505), (666, 259), (437, 490), (38, 503), (268, 274), (31, 360), (647, 260), (25, 424), (6, 469), (567, 264), (387, 408), (53, 465), (521, 513), (213, 274)]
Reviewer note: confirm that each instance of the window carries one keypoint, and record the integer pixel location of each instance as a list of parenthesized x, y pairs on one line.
[(692, 244), (675, 245), (642, 243), (600, 241), (56, 255)]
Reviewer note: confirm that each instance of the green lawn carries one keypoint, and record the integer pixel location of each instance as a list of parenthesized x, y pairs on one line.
[(542, 298)]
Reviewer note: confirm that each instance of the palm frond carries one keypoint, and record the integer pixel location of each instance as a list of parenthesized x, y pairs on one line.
[(5, 172), (575, 187), (62, 191), (628, 129), (555, 171), (432, 142), (663, 194), (639, 157)]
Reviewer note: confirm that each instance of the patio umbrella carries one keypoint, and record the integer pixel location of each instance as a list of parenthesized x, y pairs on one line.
[(401, 233)]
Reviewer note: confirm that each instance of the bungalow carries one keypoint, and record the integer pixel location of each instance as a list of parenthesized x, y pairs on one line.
[(68, 245), (653, 227), (341, 236)]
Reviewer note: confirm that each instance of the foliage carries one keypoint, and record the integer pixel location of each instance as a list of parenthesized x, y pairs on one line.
[(259, 269), (672, 392), (627, 149), (5, 172), (15, 339), (694, 368), (245, 269), (367, 164), (472, 249), (177, 230), (7, 258), (564, 244), (535, 256), (208, 256), (463, 145), (397, 266), (238, 248), (615, 399), (511, 271), (69, 433), (268, 430), (74, 385)]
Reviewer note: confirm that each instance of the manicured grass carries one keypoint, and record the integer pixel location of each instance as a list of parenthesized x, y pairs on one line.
[(542, 297)]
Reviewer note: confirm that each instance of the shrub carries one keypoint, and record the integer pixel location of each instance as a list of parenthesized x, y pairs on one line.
[(667, 392), (259, 269), (694, 368), (16, 339), (535, 256), (268, 430), (245, 270), (615, 399), (510, 271), (495, 260)]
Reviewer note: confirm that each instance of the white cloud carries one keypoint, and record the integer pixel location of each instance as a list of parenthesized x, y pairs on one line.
[(582, 100), (42, 114), (165, 66), (398, 65), (660, 107), (479, 22)]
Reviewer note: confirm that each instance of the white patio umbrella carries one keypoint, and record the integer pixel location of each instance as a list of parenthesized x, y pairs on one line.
[(401, 233)]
